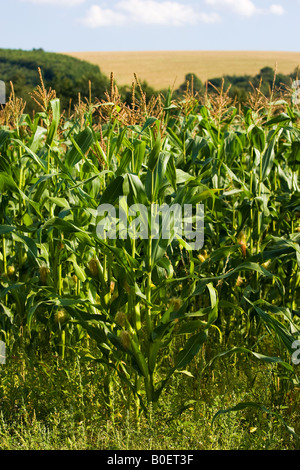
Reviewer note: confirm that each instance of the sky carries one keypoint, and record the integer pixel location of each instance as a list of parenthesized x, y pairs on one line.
[(129, 25)]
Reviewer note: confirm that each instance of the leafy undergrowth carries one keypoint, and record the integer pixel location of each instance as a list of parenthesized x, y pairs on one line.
[(57, 405)]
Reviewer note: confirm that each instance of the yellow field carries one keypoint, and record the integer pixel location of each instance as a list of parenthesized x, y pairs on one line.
[(162, 69)]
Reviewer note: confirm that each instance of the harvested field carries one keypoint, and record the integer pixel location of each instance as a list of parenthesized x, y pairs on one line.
[(162, 69)]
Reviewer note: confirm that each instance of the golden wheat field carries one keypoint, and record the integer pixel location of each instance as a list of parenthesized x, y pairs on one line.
[(163, 69)]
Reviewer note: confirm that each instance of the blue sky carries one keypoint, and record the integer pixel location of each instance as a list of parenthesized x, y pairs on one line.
[(120, 25)]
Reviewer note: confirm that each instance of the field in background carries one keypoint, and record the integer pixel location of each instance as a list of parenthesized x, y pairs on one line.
[(162, 69)]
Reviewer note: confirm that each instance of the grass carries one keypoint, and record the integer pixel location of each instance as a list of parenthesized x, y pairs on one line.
[(60, 406), (163, 69)]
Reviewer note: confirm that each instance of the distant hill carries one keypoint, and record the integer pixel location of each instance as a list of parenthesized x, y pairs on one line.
[(68, 76)]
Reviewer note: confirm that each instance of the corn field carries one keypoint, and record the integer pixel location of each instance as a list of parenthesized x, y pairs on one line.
[(145, 308)]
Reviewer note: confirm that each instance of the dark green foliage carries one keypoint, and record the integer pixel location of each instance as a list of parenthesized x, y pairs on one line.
[(240, 85), (193, 82), (66, 75)]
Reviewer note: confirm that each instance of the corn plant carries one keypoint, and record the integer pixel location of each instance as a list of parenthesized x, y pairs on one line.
[(149, 304)]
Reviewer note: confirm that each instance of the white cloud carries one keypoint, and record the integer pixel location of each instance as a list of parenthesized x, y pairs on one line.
[(241, 7), (210, 17), (277, 10), (153, 12), (166, 13), (97, 16), (245, 8), (69, 3)]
